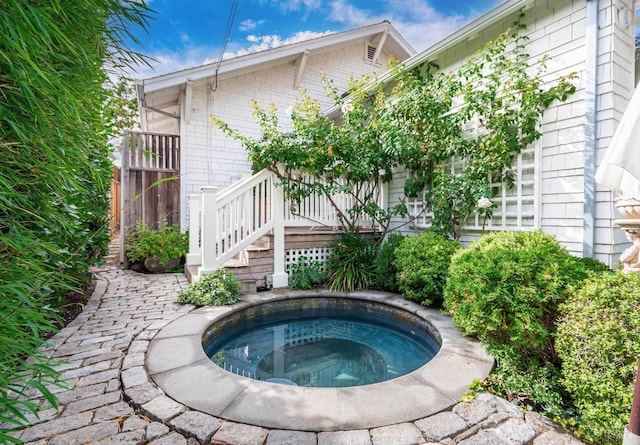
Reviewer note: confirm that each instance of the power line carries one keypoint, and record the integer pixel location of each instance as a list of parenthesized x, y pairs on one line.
[(227, 33)]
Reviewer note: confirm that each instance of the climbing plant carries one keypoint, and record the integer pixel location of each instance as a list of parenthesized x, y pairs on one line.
[(481, 116)]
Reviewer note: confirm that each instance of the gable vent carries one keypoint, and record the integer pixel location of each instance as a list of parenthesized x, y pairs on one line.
[(371, 51)]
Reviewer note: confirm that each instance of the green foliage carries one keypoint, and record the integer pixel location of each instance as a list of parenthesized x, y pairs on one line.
[(306, 274), (54, 168), (215, 289), (423, 264), (121, 108), (506, 287), (530, 384), (482, 115), (386, 267), (325, 157), (352, 263), (598, 342), (166, 244)]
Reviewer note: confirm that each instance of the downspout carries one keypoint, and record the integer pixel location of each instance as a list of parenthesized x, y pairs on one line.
[(590, 127)]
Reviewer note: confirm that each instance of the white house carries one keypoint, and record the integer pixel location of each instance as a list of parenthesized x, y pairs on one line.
[(556, 191), (182, 102)]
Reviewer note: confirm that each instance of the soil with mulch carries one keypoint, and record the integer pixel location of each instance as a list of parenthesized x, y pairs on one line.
[(73, 305)]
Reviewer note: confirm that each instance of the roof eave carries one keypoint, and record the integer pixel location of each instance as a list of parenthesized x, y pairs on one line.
[(270, 56), (491, 17)]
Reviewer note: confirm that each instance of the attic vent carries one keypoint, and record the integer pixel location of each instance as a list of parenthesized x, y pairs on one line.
[(371, 51)]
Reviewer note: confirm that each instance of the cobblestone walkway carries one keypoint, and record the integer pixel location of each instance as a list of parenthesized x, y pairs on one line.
[(114, 402)]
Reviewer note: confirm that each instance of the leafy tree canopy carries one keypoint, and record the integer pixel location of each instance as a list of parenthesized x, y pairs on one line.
[(481, 115)]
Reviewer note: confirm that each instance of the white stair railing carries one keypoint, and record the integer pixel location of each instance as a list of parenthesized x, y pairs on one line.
[(223, 224), (316, 209), (227, 222)]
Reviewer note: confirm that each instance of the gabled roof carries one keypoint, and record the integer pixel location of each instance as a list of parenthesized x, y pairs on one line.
[(159, 95)]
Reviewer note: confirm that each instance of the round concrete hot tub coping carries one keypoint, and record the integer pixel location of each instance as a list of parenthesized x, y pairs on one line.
[(177, 363)]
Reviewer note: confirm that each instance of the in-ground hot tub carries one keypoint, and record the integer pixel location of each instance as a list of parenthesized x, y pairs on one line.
[(321, 342), (177, 362)]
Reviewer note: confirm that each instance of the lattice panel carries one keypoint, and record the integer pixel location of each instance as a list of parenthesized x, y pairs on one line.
[(320, 254), (514, 208)]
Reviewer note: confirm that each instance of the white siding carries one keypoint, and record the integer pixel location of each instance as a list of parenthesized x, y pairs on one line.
[(558, 29)]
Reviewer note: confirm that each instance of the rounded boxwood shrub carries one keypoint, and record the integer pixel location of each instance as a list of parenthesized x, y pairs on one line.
[(506, 287), (423, 262), (598, 341), (386, 266)]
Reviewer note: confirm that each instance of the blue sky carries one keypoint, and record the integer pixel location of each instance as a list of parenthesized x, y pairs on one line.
[(186, 33)]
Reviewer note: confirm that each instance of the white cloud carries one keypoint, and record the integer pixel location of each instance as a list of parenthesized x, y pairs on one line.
[(262, 43), (298, 5), (184, 38), (343, 12), (250, 25)]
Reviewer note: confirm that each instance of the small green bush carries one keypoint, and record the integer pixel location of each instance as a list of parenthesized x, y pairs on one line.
[(506, 287), (306, 274), (352, 263), (529, 383), (423, 263), (166, 244), (215, 289), (386, 268), (598, 342)]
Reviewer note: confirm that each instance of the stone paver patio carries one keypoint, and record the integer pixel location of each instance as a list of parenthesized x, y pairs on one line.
[(115, 402)]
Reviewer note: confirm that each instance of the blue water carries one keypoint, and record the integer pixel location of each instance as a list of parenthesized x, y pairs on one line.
[(322, 348)]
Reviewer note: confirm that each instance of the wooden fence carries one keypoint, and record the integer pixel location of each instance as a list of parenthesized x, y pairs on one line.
[(116, 203), (150, 180)]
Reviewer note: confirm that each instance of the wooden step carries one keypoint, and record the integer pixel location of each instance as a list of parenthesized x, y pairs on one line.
[(255, 263)]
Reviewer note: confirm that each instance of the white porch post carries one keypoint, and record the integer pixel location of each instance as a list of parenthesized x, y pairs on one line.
[(280, 276), (384, 195), (208, 225), (194, 256)]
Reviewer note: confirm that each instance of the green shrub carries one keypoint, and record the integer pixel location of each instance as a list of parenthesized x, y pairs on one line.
[(215, 289), (386, 268), (352, 263), (306, 274), (166, 244), (529, 383), (54, 174), (423, 263), (506, 287), (598, 342)]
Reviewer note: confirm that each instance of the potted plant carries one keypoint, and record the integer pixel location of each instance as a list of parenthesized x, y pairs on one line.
[(159, 250)]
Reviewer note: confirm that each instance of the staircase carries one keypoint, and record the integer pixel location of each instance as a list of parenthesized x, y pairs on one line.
[(249, 230), (255, 263)]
